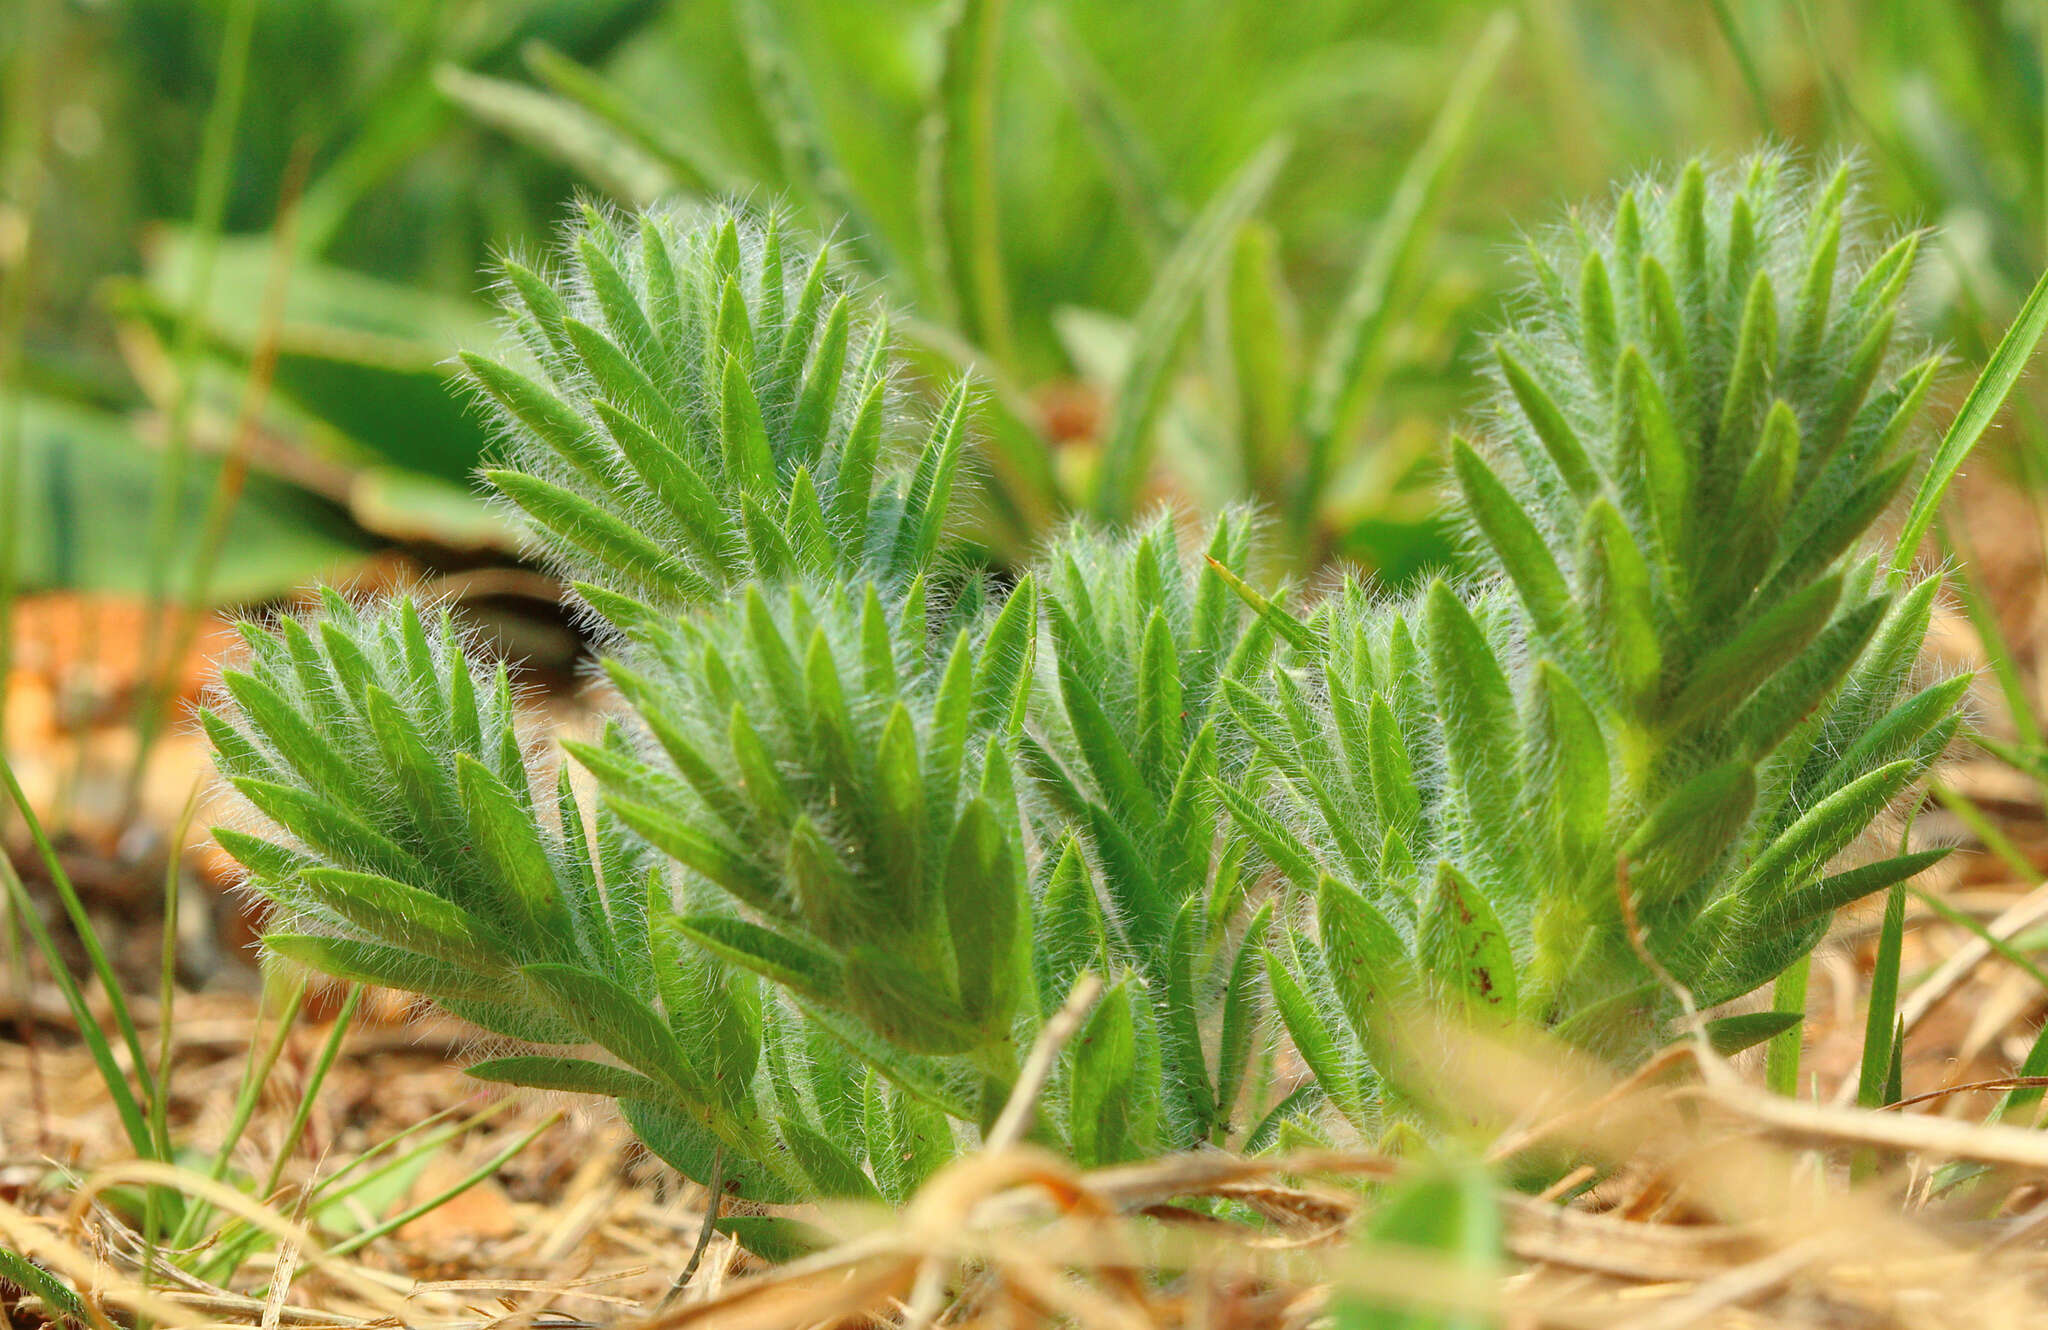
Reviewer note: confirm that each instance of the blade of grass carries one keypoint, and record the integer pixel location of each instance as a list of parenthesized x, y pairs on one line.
[(255, 1073), (21, 160), (1987, 395), (331, 1191), (229, 1256), (1999, 945), (1127, 157), (1873, 1075), (488, 1167), (1745, 61), (556, 127), (166, 1026), (329, 1053), (959, 177), (1348, 361), (1984, 618), (1996, 841), (1161, 321), (209, 206), (800, 134), (241, 1239), (95, 1039), (234, 468), (585, 87), (2022, 1103), (88, 938)]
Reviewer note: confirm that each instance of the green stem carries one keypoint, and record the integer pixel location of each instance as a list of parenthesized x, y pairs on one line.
[(1781, 1062)]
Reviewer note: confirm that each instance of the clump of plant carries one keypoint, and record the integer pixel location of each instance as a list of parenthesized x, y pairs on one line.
[(865, 813), (1686, 689)]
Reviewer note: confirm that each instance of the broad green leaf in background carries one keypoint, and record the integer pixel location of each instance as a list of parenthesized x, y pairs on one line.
[(369, 358), (90, 480)]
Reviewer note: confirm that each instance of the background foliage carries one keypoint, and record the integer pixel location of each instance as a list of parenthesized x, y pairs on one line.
[(1402, 140)]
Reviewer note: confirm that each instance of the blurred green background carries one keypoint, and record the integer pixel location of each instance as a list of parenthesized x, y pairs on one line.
[(1199, 251)]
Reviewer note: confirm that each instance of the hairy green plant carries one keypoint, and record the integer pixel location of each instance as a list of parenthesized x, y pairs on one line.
[(1686, 693), (865, 815), (404, 843), (1123, 745), (711, 409)]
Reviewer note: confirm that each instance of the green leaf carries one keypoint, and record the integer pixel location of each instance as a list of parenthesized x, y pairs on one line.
[(59, 1302), (928, 502), (1827, 827), (1161, 706), (503, 832), (988, 915), (774, 956), (408, 917), (389, 967), (1348, 358), (553, 421), (303, 748), (1466, 950), (570, 1075), (1110, 759), (1070, 933), (1290, 629), (1100, 1098), (1560, 440), (774, 1238), (265, 860), (1694, 826), (1568, 762), (517, 1017), (900, 1001), (1273, 837), (1002, 676), (716, 858), (1314, 1040), (805, 147), (749, 464), (1800, 689), (576, 521), (1622, 612), (831, 1170), (1668, 467), (1396, 797), (683, 1142), (960, 173), (1756, 352), (335, 834), (1475, 709), (1821, 899), (1516, 542), (614, 1018), (1730, 1035), (1369, 967), (1264, 353), (1882, 1007), (1734, 670), (560, 129), (899, 806), (1243, 1019), (1987, 396)]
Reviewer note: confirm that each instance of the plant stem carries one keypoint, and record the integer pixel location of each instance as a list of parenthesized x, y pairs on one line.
[(1781, 1062)]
